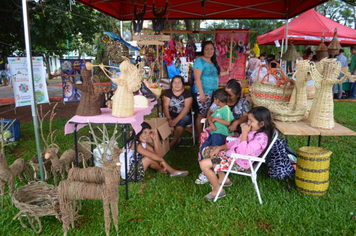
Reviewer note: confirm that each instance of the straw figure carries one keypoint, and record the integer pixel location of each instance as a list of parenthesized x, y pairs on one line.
[(8, 174), (128, 82), (49, 145), (63, 164), (325, 76), (93, 183), (294, 110), (89, 104)]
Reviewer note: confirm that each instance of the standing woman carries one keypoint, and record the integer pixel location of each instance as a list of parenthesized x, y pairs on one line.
[(206, 73)]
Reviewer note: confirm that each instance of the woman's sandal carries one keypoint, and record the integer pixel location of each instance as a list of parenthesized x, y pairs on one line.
[(227, 184)]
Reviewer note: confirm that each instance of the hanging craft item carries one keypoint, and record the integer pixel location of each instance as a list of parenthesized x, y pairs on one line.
[(291, 54), (222, 46), (159, 13), (128, 82), (256, 49), (232, 50), (189, 50), (334, 46), (179, 48), (169, 52), (325, 76), (137, 19), (322, 50)]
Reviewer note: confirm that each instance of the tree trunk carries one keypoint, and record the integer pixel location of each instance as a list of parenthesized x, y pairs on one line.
[(46, 59)]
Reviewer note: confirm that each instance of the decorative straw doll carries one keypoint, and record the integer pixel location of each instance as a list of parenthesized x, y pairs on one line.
[(128, 82), (325, 76)]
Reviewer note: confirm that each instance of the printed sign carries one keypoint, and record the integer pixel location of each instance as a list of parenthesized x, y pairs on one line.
[(22, 83), (72, 68)]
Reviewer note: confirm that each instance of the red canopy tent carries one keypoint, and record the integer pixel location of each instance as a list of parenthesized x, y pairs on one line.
[(207, 9), (308, 28)]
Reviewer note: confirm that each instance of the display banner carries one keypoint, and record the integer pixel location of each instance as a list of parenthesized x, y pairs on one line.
[(239, 44), (72, 67), (21, 81)]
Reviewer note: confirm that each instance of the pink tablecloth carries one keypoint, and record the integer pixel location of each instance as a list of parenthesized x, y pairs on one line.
[(107, 118)]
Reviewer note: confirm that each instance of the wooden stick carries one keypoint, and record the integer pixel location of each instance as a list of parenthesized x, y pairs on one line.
[(162, 62), (231, 39)]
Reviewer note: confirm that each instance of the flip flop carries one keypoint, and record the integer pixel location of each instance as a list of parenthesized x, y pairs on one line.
[(179, 143), (180, 174), (210, 196), (227, 184)]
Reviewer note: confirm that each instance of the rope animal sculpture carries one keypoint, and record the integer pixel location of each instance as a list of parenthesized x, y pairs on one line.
[(93, 183), (63, 164), (128, 82), (8, 174), (49, 144)]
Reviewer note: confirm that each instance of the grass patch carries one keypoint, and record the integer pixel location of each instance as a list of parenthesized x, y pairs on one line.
[(161, 205)]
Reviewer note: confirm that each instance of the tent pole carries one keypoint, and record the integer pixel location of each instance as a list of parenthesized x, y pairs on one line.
[(32, 83), (280, 60), (286, 45)]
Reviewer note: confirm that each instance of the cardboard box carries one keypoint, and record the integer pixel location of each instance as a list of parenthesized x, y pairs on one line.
[(163, 131)]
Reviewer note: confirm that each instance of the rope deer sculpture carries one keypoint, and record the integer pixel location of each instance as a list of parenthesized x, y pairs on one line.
[(93, 183), (49, 145), (8, 173)]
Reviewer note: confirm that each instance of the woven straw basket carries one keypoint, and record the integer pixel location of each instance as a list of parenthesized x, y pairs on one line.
[(312, 173), (266, 93)]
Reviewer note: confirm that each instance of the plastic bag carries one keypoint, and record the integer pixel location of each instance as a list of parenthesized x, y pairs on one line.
[(270, 78)]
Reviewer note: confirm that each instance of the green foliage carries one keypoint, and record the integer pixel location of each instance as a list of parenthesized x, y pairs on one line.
[(161, 205)]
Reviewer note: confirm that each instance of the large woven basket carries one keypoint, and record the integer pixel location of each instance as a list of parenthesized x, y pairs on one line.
[(312, 173), (264, 93)]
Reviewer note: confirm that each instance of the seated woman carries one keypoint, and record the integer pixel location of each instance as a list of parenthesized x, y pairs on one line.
[(177, 103), (147, 157), (239, 107)]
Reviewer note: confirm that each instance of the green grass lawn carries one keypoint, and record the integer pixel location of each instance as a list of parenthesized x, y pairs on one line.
[(161, 205)]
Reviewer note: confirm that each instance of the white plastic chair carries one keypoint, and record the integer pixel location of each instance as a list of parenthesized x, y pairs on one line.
[(253, 167)]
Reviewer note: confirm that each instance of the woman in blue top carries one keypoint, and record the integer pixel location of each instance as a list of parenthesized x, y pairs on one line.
[(206, 73)]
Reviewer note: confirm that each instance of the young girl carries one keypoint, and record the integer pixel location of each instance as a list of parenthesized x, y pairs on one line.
[(147, 156), (255, 137)]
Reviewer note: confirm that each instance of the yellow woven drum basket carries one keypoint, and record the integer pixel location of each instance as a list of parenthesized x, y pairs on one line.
[(312, 173)]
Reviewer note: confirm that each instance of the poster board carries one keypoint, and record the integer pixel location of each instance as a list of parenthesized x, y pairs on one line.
[(238, 66), (21, 81), (71, 67)]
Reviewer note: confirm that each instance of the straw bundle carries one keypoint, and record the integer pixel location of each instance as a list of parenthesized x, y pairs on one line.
[(291, 54), (334, 46), (322, 111), (117, 52), (322, 51)]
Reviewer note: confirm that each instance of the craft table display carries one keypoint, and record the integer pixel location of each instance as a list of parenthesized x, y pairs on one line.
[(135, 121), (303, 128)]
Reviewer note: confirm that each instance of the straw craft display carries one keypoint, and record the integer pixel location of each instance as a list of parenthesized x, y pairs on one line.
[(312, 173), (334, 46), (291, 54), (322, 111), (128, 82), (89, 104), (94, 183), (295, 109), (35, 200), (264, 93), (322, 50)]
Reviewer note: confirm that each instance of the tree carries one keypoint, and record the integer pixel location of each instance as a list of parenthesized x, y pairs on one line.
[(53, 26)]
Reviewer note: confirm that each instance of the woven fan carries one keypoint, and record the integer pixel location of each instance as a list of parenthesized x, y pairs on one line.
[(334, 47), (291, 54), (321, 50)]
